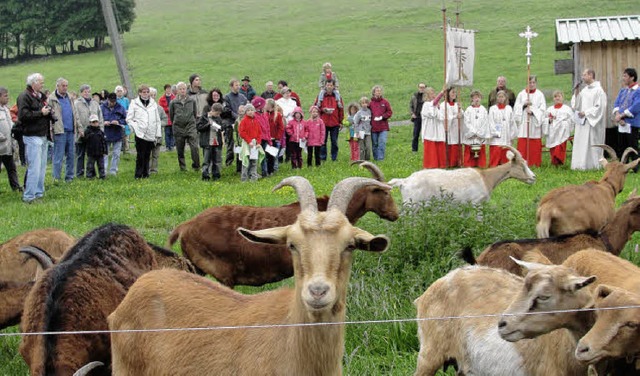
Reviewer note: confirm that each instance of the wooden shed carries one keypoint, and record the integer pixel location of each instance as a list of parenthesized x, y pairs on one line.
[(607, 45)]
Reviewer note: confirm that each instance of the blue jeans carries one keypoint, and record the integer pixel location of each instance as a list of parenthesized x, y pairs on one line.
[(114, 147), (64, 149), (379, 140), (331, 133), (169, 141), (37, 167)]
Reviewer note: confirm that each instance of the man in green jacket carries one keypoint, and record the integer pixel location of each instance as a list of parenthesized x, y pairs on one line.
[(183, 115)]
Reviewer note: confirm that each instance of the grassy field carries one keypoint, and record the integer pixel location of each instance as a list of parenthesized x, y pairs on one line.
[(393, 43)]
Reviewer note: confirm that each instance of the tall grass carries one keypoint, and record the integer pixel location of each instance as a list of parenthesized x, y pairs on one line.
[(392, 42)]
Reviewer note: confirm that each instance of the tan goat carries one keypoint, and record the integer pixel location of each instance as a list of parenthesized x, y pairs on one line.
[(321, 244), (611, 238), (551, 288), (473, 343), (616, 331), (575, 208)]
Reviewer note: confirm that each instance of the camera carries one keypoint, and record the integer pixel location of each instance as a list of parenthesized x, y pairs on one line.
[(53, 117)]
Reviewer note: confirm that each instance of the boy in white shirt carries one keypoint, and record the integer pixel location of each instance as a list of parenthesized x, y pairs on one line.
[(557, 126), (502, 130), (474, 132)]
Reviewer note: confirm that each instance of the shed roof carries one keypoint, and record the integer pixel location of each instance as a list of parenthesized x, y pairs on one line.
[(597, 29)]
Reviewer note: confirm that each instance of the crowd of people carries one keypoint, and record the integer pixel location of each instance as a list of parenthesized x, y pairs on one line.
[(454, 137), (255, 134), (86, 133)]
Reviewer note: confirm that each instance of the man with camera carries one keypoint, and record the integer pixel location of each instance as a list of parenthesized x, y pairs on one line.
[(64, 115), (34, 115)]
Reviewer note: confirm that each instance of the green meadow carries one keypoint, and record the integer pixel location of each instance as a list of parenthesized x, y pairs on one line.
[(393, 43)]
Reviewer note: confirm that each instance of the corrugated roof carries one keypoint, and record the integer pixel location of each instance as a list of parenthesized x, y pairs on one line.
[(597, 29)]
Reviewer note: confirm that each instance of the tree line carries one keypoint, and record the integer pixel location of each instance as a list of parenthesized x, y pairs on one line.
[(32, 28)]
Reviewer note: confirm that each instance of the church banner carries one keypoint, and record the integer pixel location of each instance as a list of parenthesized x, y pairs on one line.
[(460, 57)]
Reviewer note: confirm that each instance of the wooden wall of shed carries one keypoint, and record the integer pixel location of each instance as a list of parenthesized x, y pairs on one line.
[(608, 60)]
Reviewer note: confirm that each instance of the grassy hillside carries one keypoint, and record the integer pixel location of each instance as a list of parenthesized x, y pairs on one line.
[(394, 43)]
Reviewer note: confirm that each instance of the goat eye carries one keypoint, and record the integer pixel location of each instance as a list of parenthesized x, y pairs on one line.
[(543, 298), (292, 248), (631, 325)]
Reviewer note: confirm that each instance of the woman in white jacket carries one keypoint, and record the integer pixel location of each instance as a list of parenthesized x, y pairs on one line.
[(143, 117)]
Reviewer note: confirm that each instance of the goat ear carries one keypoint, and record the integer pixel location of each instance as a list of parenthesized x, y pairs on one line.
[(276, 235), (602, 291), (603, 162), (367, 242), (510, 155), (530, 266), (632, 165), (576, 283)]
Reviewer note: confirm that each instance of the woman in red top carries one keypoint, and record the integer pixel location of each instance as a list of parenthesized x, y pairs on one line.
[(276, 129)]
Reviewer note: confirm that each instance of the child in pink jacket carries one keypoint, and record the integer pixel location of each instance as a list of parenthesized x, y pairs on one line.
[(297, 133), (315, 131)]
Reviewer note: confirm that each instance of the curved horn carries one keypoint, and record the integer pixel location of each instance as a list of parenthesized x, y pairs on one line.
[(626, 153), (344, 190), (609, 150), (44, 259), (87, 368), (513, 150), (306, 195), (375, 170)]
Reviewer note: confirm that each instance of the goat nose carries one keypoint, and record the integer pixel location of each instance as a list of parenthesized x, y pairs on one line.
[(502, 324), (318, 290), (582, 349)]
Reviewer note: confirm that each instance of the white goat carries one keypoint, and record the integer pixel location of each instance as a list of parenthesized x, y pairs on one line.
[(473, 343), (321, 244), (466, 184)]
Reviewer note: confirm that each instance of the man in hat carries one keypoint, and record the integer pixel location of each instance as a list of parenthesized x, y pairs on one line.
[(235, 99), (196, 93), (246, 89)]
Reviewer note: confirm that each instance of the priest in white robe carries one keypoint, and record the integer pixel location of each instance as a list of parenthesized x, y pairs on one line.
[(590, 105), (529, 113)]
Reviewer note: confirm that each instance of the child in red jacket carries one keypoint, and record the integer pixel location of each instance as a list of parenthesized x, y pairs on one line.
[(315, 131), (297, 134), (252, 153)]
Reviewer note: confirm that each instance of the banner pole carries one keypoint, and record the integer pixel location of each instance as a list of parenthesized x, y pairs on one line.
[(446, 97)]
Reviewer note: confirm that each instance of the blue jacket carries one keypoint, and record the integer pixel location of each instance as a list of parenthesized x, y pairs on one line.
[(114, 132), (628, 104)]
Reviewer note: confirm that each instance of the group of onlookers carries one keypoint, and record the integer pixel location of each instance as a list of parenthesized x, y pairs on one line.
[(85, 134), (454, 137)]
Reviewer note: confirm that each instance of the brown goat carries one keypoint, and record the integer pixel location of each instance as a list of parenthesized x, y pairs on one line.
[(211, 242), (18, 268), (611, 238), (13, 294), (322, 246), (575, 208), (79, 293)]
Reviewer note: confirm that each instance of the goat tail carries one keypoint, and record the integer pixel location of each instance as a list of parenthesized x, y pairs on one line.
[(467, 255), (175, 234), (395, 182), (544, 224)]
